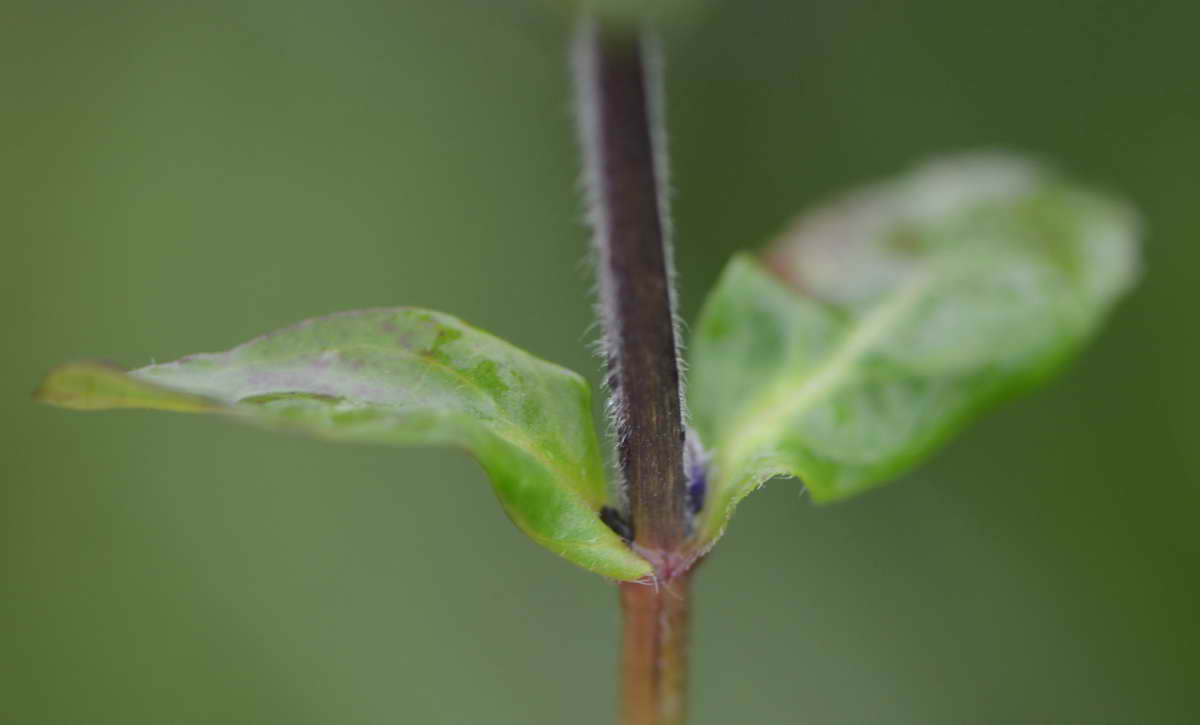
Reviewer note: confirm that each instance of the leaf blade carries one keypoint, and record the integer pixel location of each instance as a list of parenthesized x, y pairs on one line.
[(401, 376), (889, 320)]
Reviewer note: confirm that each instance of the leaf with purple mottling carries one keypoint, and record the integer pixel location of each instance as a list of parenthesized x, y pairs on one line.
[(400, 376), (879, 325)]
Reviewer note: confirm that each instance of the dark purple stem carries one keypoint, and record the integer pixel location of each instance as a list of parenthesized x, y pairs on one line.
[(618, 128), (636, 299)]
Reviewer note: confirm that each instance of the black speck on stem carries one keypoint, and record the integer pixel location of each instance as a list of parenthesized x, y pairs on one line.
[(625, 165)]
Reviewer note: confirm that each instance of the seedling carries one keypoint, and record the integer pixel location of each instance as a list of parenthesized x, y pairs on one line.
[(843, 355)]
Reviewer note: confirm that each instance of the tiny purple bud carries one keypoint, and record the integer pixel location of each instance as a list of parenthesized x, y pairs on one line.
[(695, 468)]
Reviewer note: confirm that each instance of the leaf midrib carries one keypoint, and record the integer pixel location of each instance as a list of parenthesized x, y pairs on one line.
[(791, 395)]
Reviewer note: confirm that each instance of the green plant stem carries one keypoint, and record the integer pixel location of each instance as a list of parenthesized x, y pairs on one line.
[(624, 160)]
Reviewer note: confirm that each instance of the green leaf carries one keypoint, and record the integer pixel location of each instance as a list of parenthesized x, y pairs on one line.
[(881, 324), (401, 376)]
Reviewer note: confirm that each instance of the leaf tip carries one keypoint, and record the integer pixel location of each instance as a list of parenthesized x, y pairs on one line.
[(70, 385), (94, 385)]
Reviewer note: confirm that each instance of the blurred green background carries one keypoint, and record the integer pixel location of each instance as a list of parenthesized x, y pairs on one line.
[(178, 177)]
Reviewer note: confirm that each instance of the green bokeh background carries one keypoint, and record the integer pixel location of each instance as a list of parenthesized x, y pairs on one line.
[(178, 177)]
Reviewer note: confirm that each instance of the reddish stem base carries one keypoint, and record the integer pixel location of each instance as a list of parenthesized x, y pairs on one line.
[(654, 652)]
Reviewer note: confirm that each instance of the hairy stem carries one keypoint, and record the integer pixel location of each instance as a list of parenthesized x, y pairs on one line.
[(635, 285), (654, 652), (625, 165)]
